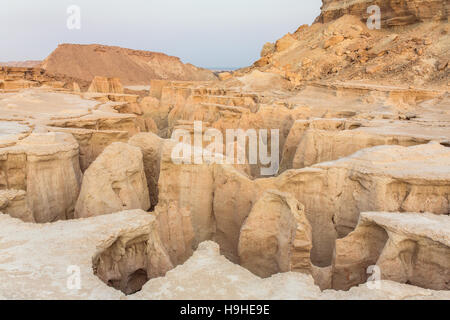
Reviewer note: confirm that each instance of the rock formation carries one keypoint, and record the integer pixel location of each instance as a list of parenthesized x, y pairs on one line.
[(114, 181), (45, 167), (343, 48), (357, 125), (106, 85), (14, 203), (276, 237), (394, 13), (411, 248), (151, 146), (132, 259), (106, 248), (131, 66), (207, 275)]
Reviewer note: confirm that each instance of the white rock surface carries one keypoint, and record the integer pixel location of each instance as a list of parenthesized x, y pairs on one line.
[(35, 258), (208, 275)]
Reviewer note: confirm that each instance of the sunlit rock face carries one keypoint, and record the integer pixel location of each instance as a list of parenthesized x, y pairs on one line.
[(46, 168), (115, 181), (393, 13)]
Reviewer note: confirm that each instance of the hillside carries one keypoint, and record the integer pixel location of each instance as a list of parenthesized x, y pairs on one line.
[(410, 48), (393, 13), (133, 67)]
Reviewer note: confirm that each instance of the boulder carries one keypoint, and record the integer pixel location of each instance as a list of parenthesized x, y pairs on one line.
[(14, 203), (285, 43), (268, 48), (332, 41), (276, 237), (115, 181)]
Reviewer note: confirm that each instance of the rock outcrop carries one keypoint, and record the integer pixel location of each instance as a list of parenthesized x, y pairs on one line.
[(132, 259), (14, 203), (393, 13), (92, 142), (411, 248), (385, 178), (131, 66), (343, 48), (115, 181), (208, 275), (79, 259), (151, 146), (106, 85), (95, 258), (15, 77), (46, 168), (322, 140), (188, 190), (276, 237)]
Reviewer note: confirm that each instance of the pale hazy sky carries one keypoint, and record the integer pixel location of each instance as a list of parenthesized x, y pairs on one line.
[(207, 33)]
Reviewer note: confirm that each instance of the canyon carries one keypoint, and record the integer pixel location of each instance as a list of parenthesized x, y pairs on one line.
[(358, 209)]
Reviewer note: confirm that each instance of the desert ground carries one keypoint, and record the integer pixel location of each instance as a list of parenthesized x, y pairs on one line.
[(93, 205)]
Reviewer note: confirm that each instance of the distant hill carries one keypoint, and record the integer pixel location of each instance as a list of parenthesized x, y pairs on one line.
[(25, 64), (133, 67)]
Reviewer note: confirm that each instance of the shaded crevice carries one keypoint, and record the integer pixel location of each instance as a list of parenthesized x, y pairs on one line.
[(124, 265)]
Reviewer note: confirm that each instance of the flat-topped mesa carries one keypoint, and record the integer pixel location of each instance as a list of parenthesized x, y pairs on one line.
[(106, 85), (133, 67), (393, 13), (45, 167)]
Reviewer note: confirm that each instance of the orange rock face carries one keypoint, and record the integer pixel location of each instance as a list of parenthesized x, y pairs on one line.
[(106, 85), (393, 13), (131, 66)]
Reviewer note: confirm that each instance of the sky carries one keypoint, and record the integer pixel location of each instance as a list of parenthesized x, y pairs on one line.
[(206, 33)]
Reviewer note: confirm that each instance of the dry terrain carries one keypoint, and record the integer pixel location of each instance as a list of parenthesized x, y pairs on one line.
[(88, 180)]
